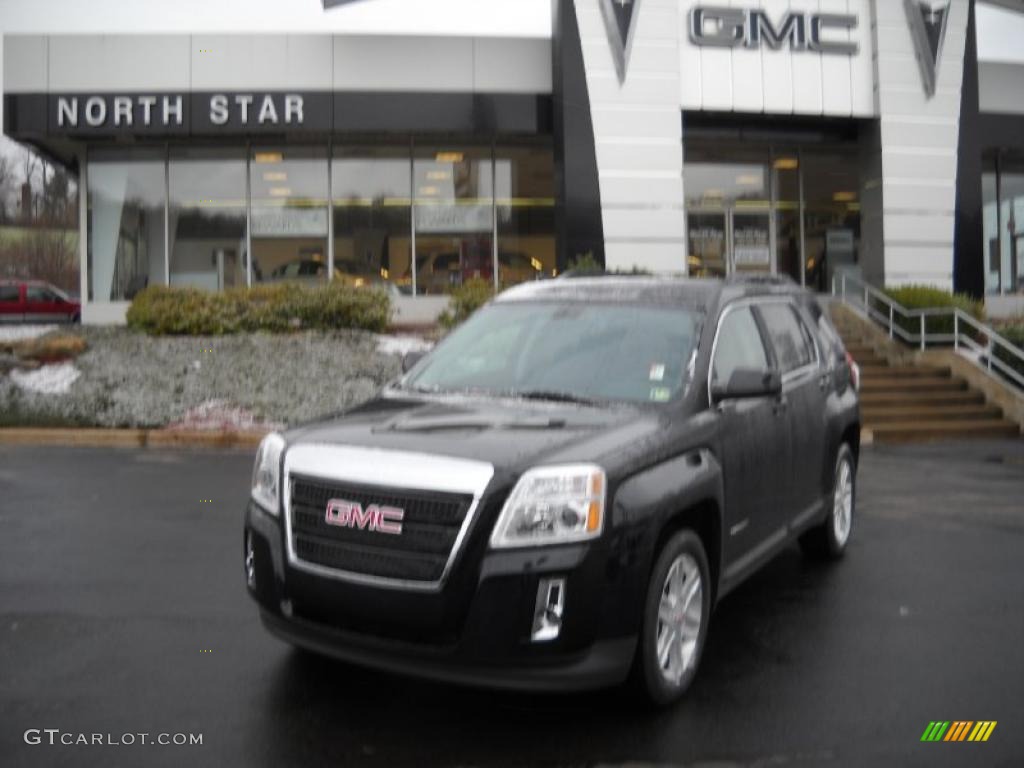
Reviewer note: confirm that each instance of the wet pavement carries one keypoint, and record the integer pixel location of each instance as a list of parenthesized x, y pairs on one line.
[(123, 611)]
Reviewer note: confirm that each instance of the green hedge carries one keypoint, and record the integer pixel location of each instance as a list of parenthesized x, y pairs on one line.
[(466, 299), (1013, 332), (163, 311), (928, 297)]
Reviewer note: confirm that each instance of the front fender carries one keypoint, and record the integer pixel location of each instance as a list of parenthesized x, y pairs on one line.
[(643, 506)]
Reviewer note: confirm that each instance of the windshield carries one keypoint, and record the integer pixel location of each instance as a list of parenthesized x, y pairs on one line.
[(566, 351)]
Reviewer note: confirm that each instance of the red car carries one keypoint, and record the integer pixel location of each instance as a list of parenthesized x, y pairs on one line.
[(33, 301)]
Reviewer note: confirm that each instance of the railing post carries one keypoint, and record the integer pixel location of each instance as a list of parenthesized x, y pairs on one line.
[(867, 307), (844, 287), (956, 330), (922, 332), (891, 310), (833, 285)]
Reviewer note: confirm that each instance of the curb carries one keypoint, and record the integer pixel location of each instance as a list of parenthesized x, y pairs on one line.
[(129, 438)]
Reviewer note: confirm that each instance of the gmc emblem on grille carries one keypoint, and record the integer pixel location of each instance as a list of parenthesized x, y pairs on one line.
[(350, 514)]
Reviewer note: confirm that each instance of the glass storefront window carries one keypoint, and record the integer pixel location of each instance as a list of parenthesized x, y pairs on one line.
[(126, 223), (525, 205), (831, 215), (780, 209), (1011, 219), (453, 217), (289, 214), (207, 218), (372, 215)]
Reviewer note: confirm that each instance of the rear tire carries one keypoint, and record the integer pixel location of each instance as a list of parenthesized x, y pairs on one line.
[(828, 540), (677, 611)]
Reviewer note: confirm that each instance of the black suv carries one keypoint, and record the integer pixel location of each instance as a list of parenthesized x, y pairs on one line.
[(557, 495)]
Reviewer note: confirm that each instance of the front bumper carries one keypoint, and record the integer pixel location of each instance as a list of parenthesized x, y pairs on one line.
[(605, 664), (476, 631)]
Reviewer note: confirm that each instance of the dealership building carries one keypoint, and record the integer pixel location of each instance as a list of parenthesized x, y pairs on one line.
[(800, 137)]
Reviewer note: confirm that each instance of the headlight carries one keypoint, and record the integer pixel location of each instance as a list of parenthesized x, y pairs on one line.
[(266, 474), (553, 505)]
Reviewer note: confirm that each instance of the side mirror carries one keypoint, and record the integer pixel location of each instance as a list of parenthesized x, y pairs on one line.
[(748, 382), (409, 359)]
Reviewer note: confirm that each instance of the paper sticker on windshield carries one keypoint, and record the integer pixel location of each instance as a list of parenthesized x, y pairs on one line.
[(660, 394), (657, 372)]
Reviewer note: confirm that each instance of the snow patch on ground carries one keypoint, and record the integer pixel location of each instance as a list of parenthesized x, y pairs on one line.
[(221, 416), (47, 380), (21, 332), (402, 345)]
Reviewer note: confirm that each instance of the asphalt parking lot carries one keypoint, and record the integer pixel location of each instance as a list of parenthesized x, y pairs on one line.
[(123, 610)]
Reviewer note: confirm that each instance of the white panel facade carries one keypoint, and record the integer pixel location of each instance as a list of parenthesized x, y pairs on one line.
[(268, 62), (638, 137), (780, 81), (104, 63), (918, 153), (25, 64), (503, 65), (382, 64)]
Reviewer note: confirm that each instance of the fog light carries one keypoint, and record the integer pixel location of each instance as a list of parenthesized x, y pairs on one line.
[(286, 608), (547, 616), (250, 562)]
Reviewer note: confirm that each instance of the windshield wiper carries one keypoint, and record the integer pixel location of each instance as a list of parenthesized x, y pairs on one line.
[(553, 396)]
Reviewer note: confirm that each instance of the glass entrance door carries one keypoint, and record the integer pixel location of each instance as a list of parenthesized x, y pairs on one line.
[(728, 242), (750, 248)]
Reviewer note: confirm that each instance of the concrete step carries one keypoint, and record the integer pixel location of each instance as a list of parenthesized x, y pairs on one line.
[(910, 398), (915, 386), (902, 371), (882, 414), (923, 431), (871, 360)]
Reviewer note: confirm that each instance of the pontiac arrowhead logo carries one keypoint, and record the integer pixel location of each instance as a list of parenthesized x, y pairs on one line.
[(928, 28), (620, 19)]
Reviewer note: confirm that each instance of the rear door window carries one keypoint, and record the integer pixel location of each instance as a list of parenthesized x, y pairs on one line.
[(790, 337), (10, 294)]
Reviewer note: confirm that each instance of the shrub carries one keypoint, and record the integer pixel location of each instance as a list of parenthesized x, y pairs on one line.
[(1013, 332), (928, 297), (163, 311), (466, 299)]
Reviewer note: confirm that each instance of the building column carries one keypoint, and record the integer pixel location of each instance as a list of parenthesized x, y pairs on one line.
[(909, 209)]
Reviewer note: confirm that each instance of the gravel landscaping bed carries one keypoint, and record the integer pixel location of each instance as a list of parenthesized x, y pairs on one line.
[(127, 379)]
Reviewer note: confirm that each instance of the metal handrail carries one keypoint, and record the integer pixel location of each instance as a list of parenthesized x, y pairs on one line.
[(858, 295)]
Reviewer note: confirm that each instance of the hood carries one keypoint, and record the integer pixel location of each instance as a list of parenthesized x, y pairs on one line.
[(510, 434)]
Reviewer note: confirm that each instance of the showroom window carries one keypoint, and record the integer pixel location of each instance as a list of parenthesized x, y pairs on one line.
[(454, 216), (127, 197), (1002, 190), (191, 216), (207, 218), (371, 189), (289, 215), (525, 209)]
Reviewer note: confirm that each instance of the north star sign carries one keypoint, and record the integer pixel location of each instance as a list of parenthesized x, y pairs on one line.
[(184, 113), (736, 27)]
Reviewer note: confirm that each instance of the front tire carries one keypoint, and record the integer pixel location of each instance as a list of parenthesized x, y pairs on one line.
[(677, 611), (828, 541)]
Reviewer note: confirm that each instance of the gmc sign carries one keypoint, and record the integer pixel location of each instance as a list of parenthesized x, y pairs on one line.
[(735, 27), (350, 514)]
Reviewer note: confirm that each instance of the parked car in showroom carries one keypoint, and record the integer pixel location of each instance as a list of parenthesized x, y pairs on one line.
[(557, 496), (35, 301)]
